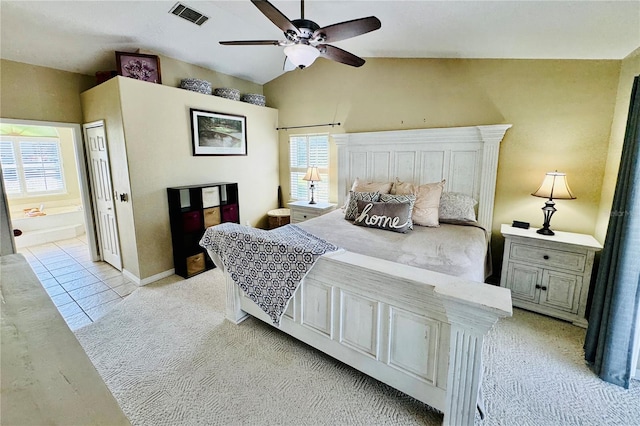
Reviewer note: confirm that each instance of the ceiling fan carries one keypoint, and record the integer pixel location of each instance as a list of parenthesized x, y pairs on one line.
[(305, 40)]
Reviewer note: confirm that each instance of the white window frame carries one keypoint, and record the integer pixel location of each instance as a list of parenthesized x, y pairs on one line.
[(20, 167), (321, 192)]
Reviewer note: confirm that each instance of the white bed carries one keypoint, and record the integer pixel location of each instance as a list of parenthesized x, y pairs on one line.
[(416, 330)]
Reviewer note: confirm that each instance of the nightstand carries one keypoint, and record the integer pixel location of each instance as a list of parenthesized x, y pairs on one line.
[(302, 210), (549, 274)]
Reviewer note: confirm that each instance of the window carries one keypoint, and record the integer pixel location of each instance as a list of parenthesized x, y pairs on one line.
[(306, 151), (31, 166)]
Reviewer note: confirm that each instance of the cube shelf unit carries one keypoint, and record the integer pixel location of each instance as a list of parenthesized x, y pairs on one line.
[(192, 209)]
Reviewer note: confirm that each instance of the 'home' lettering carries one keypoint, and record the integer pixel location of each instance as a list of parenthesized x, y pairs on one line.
[(379, 221)]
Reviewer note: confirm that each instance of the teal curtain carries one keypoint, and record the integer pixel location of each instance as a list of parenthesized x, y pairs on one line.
[(616, 299)]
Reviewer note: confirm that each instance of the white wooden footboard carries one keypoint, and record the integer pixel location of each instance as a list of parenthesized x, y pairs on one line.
[(401, 325)]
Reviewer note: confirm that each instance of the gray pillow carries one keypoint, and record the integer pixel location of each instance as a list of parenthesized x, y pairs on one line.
[(457, 206), (352, 206), (388, 216), (408, 198)]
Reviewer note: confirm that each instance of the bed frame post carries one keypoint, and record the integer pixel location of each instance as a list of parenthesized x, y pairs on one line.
[(469, 325), (491, 137), (233, 311)]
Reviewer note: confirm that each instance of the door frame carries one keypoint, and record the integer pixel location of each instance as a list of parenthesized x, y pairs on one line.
[(83, 177)]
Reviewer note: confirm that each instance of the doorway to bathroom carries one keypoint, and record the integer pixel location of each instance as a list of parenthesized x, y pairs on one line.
[(44, 172)]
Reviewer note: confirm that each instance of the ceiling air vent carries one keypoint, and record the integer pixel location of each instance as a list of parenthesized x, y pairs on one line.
[(189, 14)]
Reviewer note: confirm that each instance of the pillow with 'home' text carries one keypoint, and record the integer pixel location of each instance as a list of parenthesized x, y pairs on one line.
[(354, 197), (388, 216), (408, 198)]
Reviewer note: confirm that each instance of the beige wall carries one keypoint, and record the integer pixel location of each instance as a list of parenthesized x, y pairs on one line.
[(173, 71), (155, 130), (103, 103), (31, 92), (561, 113), (629, 69)]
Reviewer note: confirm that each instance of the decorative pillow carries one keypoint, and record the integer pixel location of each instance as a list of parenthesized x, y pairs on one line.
[(388, 216), (400, 187), (411, 199), (457, 206), (354, 197), (379, 187), (426, 207)]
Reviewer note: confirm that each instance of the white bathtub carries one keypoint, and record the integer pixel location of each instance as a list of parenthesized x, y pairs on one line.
[(59, 223)]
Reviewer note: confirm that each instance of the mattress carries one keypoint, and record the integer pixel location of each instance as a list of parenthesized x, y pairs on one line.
[(453, 249)]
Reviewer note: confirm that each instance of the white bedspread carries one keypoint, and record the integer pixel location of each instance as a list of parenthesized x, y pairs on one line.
[(451, 249)]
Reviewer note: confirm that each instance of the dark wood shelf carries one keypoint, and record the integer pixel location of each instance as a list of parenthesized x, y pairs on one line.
[(192, 209)]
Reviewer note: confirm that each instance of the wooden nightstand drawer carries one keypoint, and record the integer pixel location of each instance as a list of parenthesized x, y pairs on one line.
[(195, 264), (298, 216), (549, 258)]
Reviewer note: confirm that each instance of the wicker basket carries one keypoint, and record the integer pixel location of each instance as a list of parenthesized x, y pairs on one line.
[(278, 217)]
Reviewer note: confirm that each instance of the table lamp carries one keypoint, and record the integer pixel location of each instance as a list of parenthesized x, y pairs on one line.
[(554, 186), (312, 176)]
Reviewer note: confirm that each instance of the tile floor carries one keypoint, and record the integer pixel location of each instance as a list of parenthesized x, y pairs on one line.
[(81, 289)]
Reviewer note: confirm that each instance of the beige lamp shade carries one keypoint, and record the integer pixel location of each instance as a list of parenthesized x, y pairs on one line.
[(312, 175), (555, 187)]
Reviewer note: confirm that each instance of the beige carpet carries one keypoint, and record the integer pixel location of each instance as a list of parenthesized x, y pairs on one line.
[(169, 358)]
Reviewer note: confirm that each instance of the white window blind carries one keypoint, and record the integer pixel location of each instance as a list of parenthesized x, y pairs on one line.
[(31, 166), (307, 151)]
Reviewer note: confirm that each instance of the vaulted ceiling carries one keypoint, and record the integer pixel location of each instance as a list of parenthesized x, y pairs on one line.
[(82, 36)]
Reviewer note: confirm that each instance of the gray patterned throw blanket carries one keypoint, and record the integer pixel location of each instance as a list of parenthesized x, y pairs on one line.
[(267, 265)]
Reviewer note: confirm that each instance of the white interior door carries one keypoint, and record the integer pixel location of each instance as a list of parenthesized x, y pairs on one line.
[(98, 158)]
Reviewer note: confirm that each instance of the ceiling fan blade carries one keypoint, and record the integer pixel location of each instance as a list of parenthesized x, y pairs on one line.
[(275, 16), (252, 43), (347, 29), (339, 55)]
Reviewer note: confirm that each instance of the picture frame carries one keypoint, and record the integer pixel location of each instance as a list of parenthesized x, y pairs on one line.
[(215, 133), (139, 66)]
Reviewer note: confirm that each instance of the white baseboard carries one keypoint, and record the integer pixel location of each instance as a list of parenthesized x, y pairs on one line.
[(137, 281)]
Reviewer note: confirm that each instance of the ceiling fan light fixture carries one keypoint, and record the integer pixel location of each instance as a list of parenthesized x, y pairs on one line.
[(301, 55)]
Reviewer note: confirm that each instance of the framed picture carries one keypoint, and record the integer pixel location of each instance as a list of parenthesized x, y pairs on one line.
[(214, 133), (139, 66)]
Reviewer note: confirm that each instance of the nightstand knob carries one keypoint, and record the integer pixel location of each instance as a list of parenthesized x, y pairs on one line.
[(545, 257)]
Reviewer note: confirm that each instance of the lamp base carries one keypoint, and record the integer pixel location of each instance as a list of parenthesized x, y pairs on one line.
[(312, 202), (548, 210), (545, 231)]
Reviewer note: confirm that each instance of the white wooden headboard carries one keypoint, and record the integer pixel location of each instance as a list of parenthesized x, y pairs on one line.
[(467, 157)]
